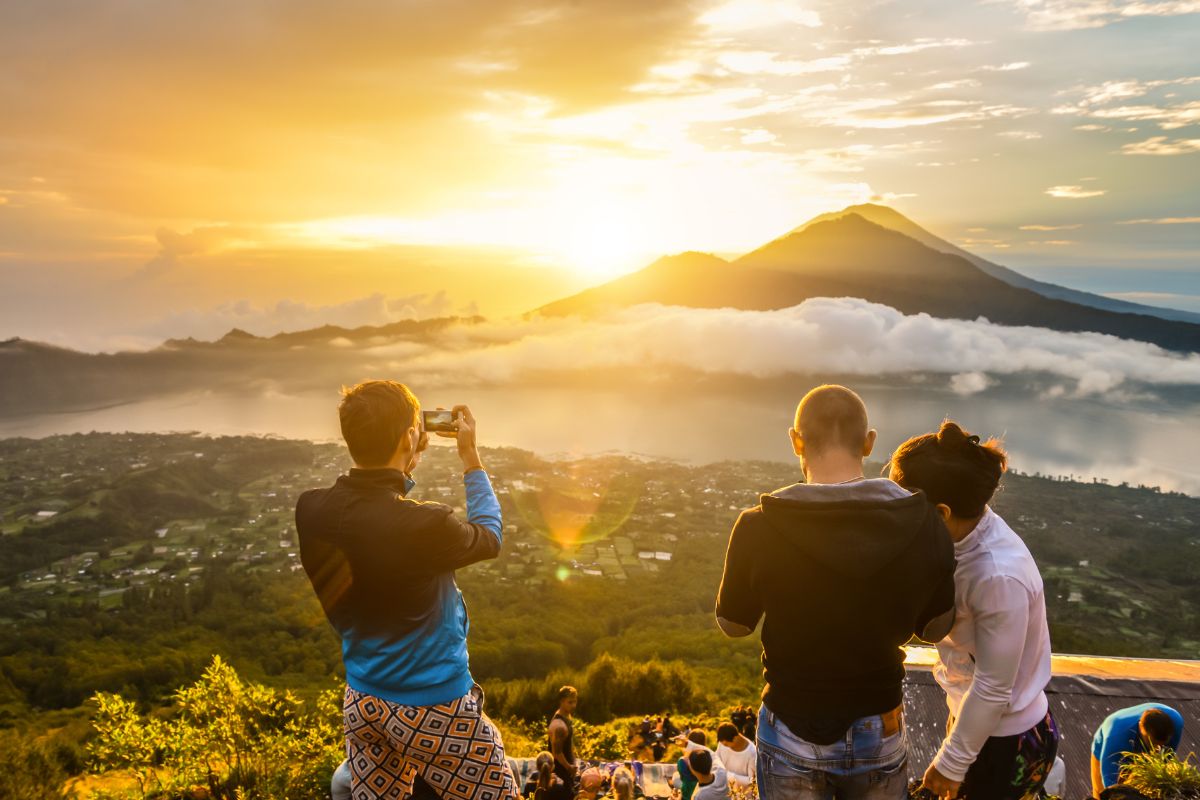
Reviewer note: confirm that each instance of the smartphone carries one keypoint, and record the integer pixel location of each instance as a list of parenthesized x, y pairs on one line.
[(440, 421)]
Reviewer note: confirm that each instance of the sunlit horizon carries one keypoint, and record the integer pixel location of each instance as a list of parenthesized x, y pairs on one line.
[(500, 156)]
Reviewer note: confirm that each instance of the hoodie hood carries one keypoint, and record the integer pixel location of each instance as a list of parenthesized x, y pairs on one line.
[(853, 529)]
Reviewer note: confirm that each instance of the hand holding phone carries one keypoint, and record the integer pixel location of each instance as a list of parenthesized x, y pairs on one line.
[(459, 424), (439, 421)]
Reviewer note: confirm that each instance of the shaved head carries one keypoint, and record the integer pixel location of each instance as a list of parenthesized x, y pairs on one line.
[(832, 417)]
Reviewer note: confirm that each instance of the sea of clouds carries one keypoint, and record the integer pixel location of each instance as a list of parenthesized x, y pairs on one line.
[(822, 335)]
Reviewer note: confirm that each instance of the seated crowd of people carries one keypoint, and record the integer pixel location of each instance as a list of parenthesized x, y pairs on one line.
[(854, 564)]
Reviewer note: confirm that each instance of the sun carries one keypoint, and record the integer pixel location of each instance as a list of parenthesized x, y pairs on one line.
[(602, 242)]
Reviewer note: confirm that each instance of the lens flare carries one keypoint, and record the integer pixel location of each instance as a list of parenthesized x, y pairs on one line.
[(582, 503)]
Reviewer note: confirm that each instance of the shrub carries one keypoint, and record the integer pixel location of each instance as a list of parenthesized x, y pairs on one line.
[(223, 739), (1161, 775)]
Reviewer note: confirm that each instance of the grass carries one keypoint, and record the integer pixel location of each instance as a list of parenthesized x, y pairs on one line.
[(1162, 775)]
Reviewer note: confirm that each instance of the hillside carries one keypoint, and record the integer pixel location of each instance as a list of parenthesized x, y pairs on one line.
[(131, 560), (850, 256)]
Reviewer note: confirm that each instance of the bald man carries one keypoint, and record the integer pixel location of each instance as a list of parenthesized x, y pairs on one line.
[(842, 570)]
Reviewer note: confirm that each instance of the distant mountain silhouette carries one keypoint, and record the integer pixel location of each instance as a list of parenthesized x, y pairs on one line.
[(323, 335), (894, 220), (850, 256), (39, 378)]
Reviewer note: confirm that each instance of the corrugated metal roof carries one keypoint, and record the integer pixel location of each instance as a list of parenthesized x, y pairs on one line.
[(1082, 692)]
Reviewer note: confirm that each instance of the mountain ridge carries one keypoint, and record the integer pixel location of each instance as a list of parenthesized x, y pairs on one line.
[(891, 218), (851, 256)]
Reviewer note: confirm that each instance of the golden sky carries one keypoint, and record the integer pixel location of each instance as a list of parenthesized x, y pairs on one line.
[(193, 157)]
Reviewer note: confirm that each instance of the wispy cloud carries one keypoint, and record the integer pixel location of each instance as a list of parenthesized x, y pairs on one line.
[(1011, 66), (1061, 15), (740, 15), (173, 245), (1073, 192), (1108, 101), (1162, 221), (1042, 228), (1162, 146)]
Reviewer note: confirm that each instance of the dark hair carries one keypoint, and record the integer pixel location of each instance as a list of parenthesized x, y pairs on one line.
[(951, 467), (567, 691), (697, 736), (545, 775), (700, 761), (726, 732), (831, 416), (1159, 726), (375, 415)]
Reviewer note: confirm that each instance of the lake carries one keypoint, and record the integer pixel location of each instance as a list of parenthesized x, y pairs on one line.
[(1139, 439)]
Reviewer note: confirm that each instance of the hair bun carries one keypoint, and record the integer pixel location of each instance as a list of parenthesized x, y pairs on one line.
[(950, 435)]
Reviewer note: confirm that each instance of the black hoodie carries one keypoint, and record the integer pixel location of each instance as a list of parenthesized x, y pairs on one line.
[(844, 576)]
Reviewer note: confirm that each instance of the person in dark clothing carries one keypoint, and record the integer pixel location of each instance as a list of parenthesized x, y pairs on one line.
[(562, 735), (382, 566), (669, 731), (843, 571)]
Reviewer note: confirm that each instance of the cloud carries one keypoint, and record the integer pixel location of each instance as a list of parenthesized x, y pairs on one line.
[(969, 383), (765, 62), (823, 335), (1011, 66), (173, 245), (1098, 101), (1162, 221), (1073, 192), (1043, 228), (741, 15), (1161, 146), (1064, 15), (309, 111)]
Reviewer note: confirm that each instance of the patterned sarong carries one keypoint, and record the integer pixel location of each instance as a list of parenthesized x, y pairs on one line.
[(454, 747)]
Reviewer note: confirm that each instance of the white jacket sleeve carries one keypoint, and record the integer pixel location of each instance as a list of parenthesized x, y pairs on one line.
[(1001, 609)]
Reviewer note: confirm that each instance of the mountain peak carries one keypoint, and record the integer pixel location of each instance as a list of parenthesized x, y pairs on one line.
[(689, 258), (237, 335)]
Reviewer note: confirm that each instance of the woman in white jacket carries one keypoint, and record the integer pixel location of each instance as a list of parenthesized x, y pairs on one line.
[(995, 662)]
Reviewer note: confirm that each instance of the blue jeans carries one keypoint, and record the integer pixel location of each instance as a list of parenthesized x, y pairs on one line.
[(864, 765)]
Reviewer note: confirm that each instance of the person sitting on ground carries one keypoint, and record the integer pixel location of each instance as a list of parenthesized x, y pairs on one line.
[(685, 779), (624, 786), (382, 566), (994, 664), (711, 780), (737, 753), (843, 571), (543, 784), (1137, 729), (591, 785), (561, 733)]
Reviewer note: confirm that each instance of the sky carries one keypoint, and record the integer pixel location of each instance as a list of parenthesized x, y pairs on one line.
[(169, 169)]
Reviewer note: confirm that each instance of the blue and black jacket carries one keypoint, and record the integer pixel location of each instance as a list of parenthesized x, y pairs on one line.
[(383, 568)]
